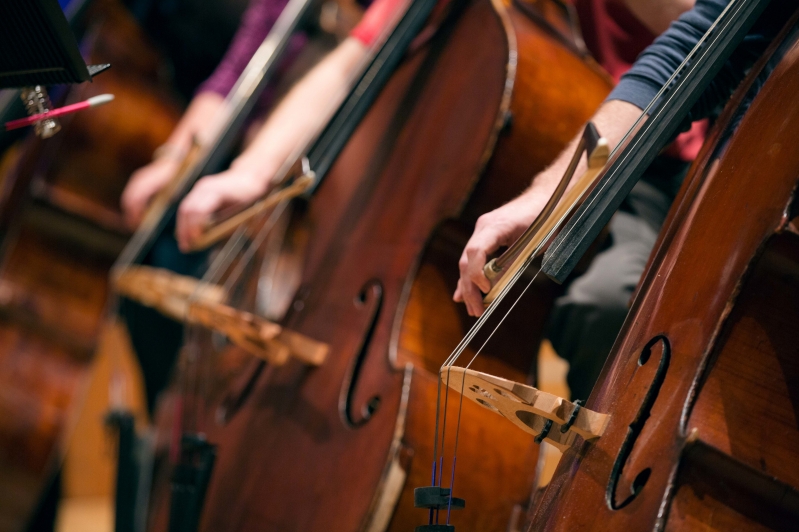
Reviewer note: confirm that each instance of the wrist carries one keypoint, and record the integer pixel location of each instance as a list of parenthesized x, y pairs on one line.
[(257, 172), (169, 153)]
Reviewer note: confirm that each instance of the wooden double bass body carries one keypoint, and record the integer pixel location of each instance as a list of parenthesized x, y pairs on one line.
[(703, 382), (463, 124), (61, 229)]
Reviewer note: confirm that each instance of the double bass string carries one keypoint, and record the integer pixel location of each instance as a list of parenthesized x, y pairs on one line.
[(685, 65), (199, 371), (241, 98), (454, 356), (463, 344), (336, 102), (237, 242), (625, 155)]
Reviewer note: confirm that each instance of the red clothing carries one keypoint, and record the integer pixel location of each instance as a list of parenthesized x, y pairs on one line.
[(611, 32), (615, 38), (376, 20)]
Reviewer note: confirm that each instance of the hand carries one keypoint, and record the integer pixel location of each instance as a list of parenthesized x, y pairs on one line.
[(503, 226), (143, 185), (289, 126), (147, 181), (236, 187), (500, 227)]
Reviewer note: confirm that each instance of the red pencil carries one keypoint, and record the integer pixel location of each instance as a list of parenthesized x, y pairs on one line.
[(94, 101)]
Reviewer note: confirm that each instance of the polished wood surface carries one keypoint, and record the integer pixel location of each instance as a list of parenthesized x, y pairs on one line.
[(716, 319), (342, 446), (61, 229)]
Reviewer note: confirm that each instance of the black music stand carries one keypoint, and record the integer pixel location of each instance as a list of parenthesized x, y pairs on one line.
[(37, 46)]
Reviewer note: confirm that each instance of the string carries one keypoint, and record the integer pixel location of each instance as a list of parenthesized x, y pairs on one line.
[(239, 241), (234, 245), (242, 94), (685, 64), (247, 87), (443, 436), (461, 347), (628, 150), (504, 317)]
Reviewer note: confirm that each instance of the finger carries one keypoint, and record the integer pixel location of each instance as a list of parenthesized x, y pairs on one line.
[(473, 299), (194, 215), (185, 217), (490, 233), (131, 208), (127, 210), (457, 297), (465, 288), (188, 228), (133, 217), (480, 246), (474, 270), (477, 276), (468, 291), (141, 188)]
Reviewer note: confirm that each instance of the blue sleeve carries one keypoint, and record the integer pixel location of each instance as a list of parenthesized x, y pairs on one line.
[(656, 64)]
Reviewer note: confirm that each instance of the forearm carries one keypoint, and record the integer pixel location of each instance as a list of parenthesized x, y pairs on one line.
[(302, 112), (255, 25), (658, 62), (194, 122), (613, 119)]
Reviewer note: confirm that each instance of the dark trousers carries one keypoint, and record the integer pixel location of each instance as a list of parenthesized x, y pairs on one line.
[(587, 318), (156, 338)]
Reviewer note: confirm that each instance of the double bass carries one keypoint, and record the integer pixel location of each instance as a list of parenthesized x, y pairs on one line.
[(702, 382), (61, 229), (340, 443), (693, 421)]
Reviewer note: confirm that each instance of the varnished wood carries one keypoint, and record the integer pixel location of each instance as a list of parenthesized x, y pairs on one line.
[(342, 446), (61, 227), (718, 451)]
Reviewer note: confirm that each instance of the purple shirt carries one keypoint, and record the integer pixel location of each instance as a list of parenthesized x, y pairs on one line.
[(255, 25)]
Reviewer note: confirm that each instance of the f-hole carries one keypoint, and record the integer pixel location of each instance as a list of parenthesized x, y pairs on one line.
[(637, 426), (370, 300)]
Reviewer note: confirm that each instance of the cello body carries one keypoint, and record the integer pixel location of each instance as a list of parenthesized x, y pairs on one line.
[(466, 120), (61, 230), (703, 382)]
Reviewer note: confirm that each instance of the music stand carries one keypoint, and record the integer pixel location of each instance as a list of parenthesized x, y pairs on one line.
[(37, 46)]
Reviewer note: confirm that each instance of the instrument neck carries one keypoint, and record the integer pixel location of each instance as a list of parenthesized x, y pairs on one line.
[(666, 116), (238, 104)]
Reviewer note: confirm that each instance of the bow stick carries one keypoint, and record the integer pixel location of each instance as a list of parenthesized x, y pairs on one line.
[(216, 231), (689, 80), (597, 152)]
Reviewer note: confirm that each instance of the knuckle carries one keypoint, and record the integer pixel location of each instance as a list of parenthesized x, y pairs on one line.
[(485, 219)]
